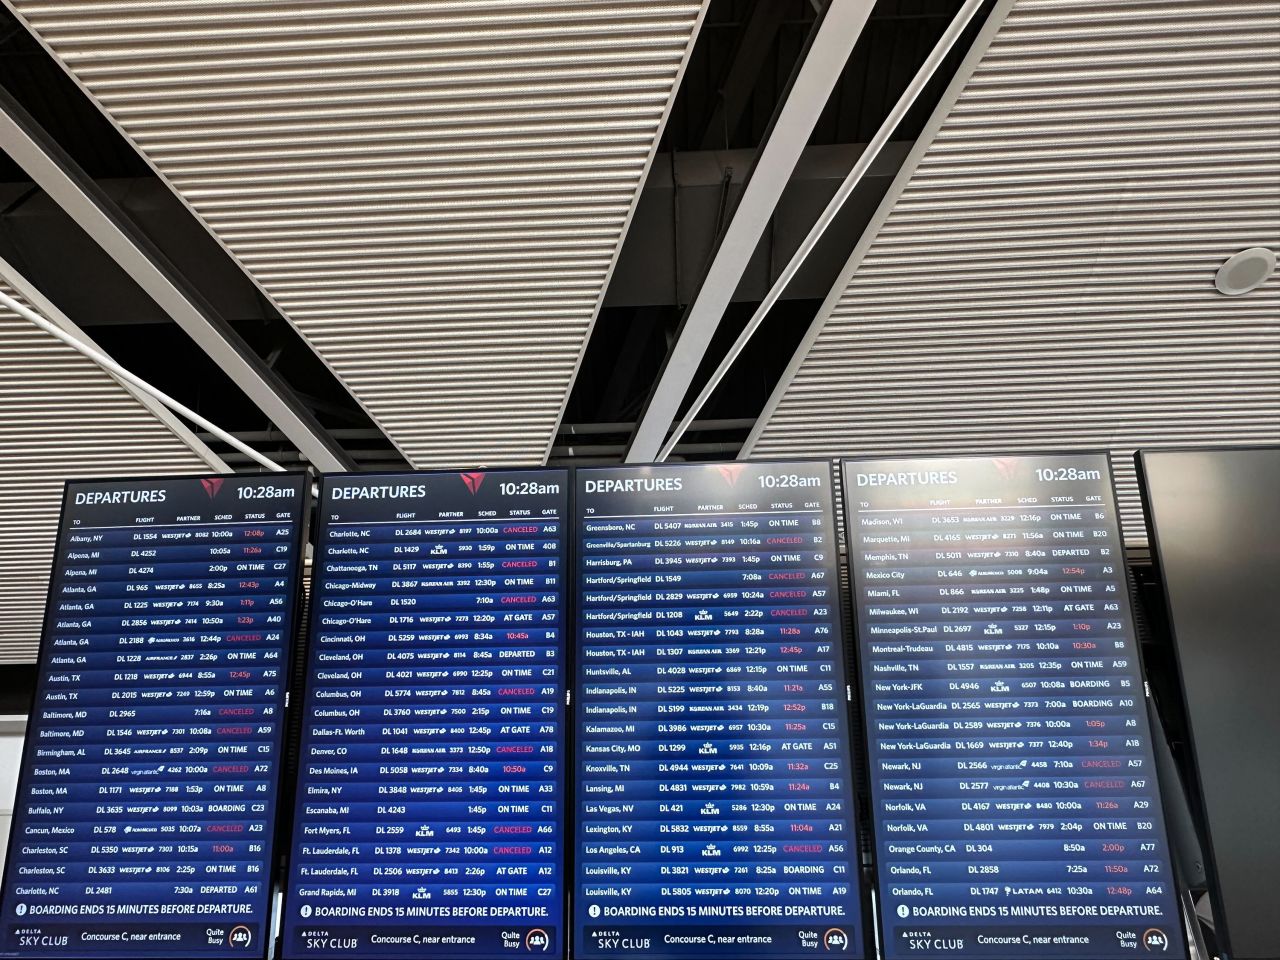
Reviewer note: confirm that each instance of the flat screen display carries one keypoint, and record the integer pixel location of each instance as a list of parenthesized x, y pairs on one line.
[(146, 806), (429, 813), (1013, 785), (1215, 525), (714, 790)]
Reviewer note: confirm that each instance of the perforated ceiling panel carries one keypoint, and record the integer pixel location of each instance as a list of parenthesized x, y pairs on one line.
[(1040, 277), (62, 417), (432, 191)]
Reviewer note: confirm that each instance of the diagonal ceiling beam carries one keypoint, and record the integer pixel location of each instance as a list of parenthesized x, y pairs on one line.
[(25, 289), (73, 190), (836, 35), (757, 39), (432, 193)]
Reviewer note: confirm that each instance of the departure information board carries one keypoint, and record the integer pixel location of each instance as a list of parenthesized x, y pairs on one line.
[(146, 806), (1012, 779), (429, 814), (714, 790)]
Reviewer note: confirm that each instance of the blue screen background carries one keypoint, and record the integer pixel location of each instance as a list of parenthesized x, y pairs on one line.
[(1013, 785), (429, 814), (714, 784), (145, 817)]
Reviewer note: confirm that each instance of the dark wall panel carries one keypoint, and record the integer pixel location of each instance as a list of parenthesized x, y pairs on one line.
[(1215, 526)]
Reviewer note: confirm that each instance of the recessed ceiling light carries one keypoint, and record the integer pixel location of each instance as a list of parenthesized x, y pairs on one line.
[(1247, 270)]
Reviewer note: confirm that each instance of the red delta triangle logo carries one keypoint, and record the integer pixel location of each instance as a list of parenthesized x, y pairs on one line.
[(731, 472), (212, 485), (472, 480), (1007, 467)]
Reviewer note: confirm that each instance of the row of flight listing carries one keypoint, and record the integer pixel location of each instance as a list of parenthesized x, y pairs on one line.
[(598, 713)]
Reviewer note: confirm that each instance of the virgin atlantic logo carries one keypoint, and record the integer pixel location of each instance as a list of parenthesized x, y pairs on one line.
[(472, 480), (731, 472), (211, 486)]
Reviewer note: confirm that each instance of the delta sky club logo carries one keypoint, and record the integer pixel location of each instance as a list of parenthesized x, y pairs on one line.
[(212, 485), (731, 472), (473, 481)]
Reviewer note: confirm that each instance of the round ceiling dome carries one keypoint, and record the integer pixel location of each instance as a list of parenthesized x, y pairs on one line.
[(1247, 270)]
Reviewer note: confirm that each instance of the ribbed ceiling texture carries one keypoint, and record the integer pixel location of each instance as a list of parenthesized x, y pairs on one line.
[(432, 191), (61, 417), (1041, 276)]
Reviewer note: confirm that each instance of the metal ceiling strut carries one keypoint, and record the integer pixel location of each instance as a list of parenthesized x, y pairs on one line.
[(82, 199), (828, 215), (834, 40)]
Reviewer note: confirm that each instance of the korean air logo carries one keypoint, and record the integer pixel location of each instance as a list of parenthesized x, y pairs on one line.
[(731, 472), (473, 481), (211, 486)]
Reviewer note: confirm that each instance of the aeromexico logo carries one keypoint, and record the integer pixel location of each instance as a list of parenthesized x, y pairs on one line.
[(211, 486), (731, 472), (473, 481)]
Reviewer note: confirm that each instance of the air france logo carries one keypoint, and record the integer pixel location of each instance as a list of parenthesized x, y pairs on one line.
[(731, 472), (212, 485), (473, 481)]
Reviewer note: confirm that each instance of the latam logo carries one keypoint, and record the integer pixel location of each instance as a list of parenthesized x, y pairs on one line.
[(731, 472), (212, 485), (473, 481)]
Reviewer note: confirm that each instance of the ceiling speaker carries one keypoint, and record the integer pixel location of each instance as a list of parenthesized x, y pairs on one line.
[(1247, 270)]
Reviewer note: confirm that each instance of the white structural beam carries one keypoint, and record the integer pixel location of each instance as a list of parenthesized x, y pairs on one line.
[(1039, 277), (818, 74), (47, 310), (157, 401), (828, 215), (53, 176), (431, 192)]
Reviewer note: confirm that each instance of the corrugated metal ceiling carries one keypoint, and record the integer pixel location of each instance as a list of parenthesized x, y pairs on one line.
[(432, 191), (62, 417), (1040, 276)]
